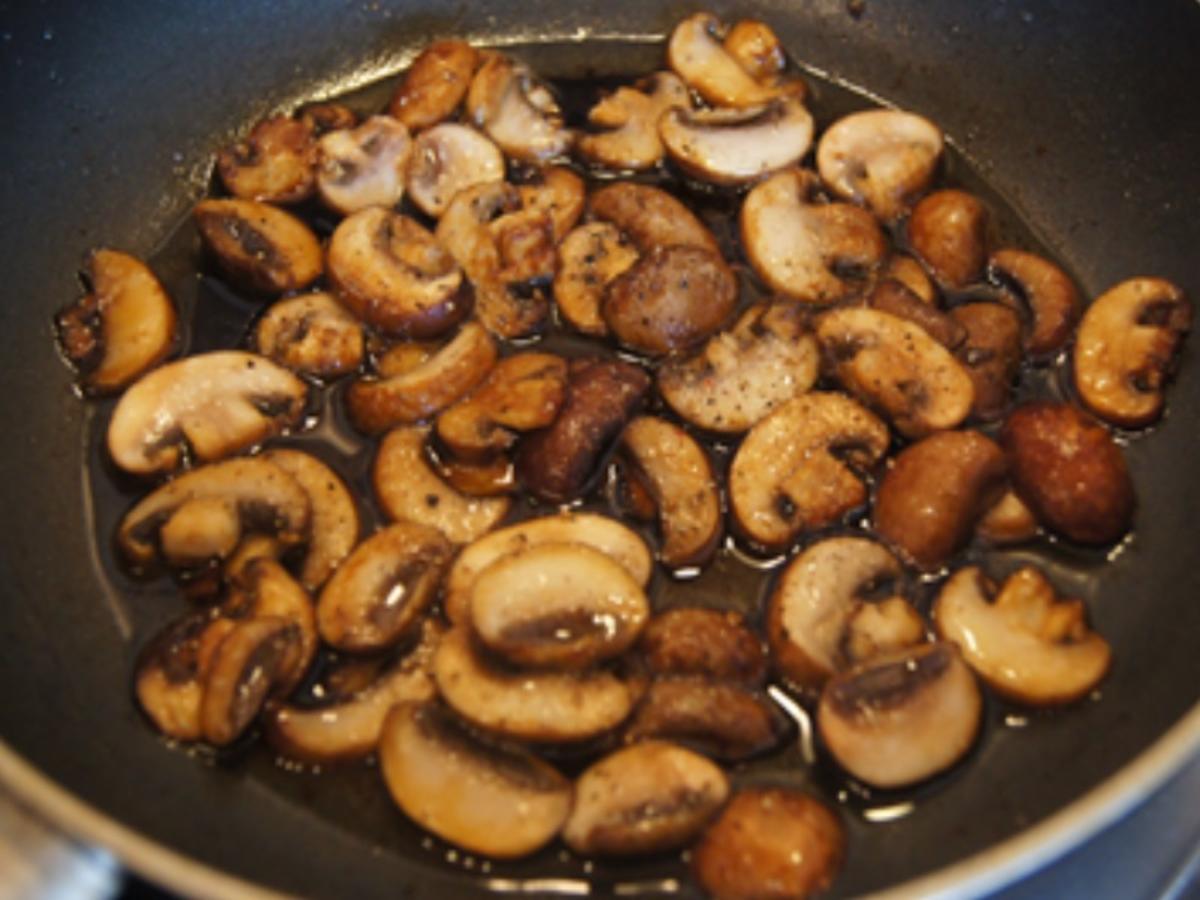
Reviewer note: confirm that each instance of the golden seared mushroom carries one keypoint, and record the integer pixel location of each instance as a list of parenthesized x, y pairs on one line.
[(321, 118), (1069, 471), (124, 324), (948, 231), (817, 617), (434, 85), (758, 50), (589, 258), (771, 844), (768, 357), (214, 403), (274, 163), (558, 606), (794, 472), (312, 334), (680, 478), (554, 191), (894, 365), (1025, 641), (408, 489), (446, 159), (171, 670), (466, 792), (902, 717), (518, 112), (881, 158), (890, 295), (558, 462), (805, 249), (1126, 347), (910, 273), (716, 644), (632, 114), (490, 478), (258, 245), (647, 798), (935, 491), (990, 353), (695, 51), (609, 536), (379, 594), (731, 147), (1045, 290), (363, 166), (650, 217), (539, 707), (1009, 521), (263, 588), (421, 392), (395, 276)]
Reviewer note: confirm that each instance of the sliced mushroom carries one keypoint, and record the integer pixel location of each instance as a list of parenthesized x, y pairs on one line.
[(803, 249), (541, 707), (516, 111), (948, 230), (447, 159), (322, 118), (122, 327), (881, 158), (896, 366), (1025, 641), (757, 49), (681, 480), (632, 115), (171, 671), (793, 472), (715, 644), (696, 53), (991, 354), (903, 717), (731, 147), (377, 404), (259, 245), (589, 258), (650, 217), (274, 163), (215, 404), (1045, 289), (394, 275), (647, 798), (312, 334), (382, 590), (490, 478), (1126, 348), (910, 273), (409, 489), (892, 296), (364, 166), (1009, 521), (768, 357), (434, 84)]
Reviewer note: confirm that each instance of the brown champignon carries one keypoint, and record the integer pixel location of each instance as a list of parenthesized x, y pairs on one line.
[(650, 217), (312, 334), (631, 115), (363, 166), (171, 670), (948, 230), (1045, 290), (715, 644), (892, 296), (258, 245), (274, 163), (446, 159), (991, 354), (435, 84), (322, 118)]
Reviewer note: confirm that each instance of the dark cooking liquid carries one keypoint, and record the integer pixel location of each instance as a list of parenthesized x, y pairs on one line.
[(214, 316)]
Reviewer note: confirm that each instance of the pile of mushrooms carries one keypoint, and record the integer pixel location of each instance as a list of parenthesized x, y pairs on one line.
[(544, 355)]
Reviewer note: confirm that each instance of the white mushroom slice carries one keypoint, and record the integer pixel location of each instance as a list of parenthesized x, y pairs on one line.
[(201, 530), (447, 159), (1008, 521), (517, 112), (124, 325), (498, 803), (214, 403), (379, 594), (895, 365), (1027, 643), (589, 258), (903, 717), (881, 158), (274, 163), (681, 480), (312, 334), (434, 84), (731, 147), (377, 404), (695, 52), (632, 114), (409, 489), (742, 374), (803, 249), (599, 532), (1125, 348), (171, 671), (259, 245), (364, 166), (541, 707), (793, 472), (647, 798)]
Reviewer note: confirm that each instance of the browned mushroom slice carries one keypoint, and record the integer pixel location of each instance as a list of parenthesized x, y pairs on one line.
[(363, 166), (312, 334), (322, 118), (379, 594), (632, 114), (793, 472), (681, 480), (447, 159), (589, 258), (377, 404), (516, 111), (259, 245), (890, 295), (696, 53), (991, 354), (903, 717), (756, 48), (541, 707), (409, 489), (804, 249), (650, 216), (768, 357), (555, 191), (948, 230), (467, 792), (121, 327), (1009, 521), (434, 84), (171, 670), (1047, 291), (647, 798), (394, 275), (1126, 348), (490, 478), (274, 163), (713, 643), (910, 273), (895, 365)]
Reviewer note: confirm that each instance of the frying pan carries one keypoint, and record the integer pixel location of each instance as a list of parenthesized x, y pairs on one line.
[(1083, 116)]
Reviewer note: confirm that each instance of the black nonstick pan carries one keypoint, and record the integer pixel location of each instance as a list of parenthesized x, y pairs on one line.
[(1083, 117)]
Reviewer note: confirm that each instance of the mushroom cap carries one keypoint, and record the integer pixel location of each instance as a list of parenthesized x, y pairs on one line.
[(1047, 291), (434, 84), (710, 643), (948, 231), (312, 334), (274, 163), (446, 159)]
